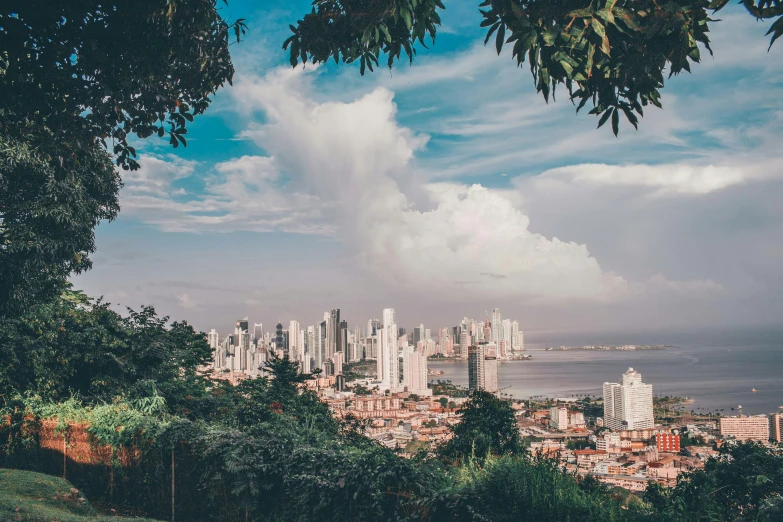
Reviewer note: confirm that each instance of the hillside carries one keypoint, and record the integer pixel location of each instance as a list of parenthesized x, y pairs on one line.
[(27, 496)]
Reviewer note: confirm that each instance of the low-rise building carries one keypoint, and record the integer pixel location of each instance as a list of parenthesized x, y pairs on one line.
[(744, 428)]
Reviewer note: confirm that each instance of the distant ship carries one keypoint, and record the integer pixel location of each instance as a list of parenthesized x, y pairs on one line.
[(754, 390)]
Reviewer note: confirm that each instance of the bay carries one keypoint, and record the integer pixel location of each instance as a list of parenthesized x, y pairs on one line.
[(717, 368)]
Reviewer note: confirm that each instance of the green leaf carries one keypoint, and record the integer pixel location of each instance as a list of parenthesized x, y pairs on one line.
[(615, 121), (604, 117), (491, 30), (499, 38)]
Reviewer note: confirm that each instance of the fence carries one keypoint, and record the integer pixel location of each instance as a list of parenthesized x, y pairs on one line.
[(155, 481)]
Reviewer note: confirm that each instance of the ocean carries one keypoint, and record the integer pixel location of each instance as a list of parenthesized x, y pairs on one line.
[(717, 369)]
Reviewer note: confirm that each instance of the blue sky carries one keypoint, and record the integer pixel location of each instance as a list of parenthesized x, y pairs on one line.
[(449, 187)]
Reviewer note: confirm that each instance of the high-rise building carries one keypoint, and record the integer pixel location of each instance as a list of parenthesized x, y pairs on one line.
[(414, 373), (258, 333), (213, 339), (427, 334), (342, 339), (418, 334), (628, 405), (464, 341), (293, 340), (476, 371), (338, 360), (279, 336), (496, 326), (388, 357), (776, 427), (336, 339), (491, 372)]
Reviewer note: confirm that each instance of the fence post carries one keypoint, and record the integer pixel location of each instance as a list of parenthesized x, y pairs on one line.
[(65, 450), (111, 474), (172, 484)]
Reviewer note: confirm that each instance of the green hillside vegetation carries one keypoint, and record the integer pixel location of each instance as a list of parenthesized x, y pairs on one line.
[(26, 496)]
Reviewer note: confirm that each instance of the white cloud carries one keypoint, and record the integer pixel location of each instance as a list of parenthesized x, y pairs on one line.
[(157, 174), (187, 303), (664, 179), (466, 239)]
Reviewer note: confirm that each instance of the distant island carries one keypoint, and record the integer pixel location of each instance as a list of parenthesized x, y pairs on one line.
[(604, 347)]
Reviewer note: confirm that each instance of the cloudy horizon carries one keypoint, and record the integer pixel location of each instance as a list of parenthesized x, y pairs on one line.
[(449, 187)]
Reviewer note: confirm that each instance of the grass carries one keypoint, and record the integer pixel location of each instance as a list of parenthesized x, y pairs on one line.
[(26, 496)]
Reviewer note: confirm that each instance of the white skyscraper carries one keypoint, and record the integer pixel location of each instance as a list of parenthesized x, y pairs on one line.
[(506, 328), (414, 368), (213, 339), (388, 352), (629, 403), (464, 342), (496, 323), (293, 340)]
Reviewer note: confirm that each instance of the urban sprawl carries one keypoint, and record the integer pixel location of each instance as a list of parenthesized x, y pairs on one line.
[(626, 438)]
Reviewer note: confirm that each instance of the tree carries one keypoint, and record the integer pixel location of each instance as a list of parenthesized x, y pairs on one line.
[(48, 212), (74, 345), (106, 71), (79, 80), (610, 53), (487, 427)]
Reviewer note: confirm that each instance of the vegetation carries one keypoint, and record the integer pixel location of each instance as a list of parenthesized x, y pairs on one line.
[(487, 427), (448, 388), (26, 496), (612, 54), (103, 74)]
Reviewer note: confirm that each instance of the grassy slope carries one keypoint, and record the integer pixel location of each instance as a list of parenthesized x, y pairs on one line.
[(26, 496)]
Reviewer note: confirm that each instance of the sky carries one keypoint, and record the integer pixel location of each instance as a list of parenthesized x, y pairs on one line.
[(449, 187)]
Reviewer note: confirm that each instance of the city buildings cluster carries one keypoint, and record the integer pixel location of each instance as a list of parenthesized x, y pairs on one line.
[(624, 447), (401, 357)]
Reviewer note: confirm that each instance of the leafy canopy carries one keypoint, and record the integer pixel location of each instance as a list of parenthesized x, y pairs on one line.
[(83, 71), (612, 53), (48, 213)]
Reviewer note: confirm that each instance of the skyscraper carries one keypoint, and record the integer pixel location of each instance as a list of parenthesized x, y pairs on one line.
[(293, 341), (418, 334), (629, 403), (342, 338), (388, 356), (464, 341), (279, 336), (336, 339), (496, 326), (213, 339), (475, 368)]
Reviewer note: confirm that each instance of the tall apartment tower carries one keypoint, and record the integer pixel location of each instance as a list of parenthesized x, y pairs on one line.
[(337, 345), (213, 339), (491, 373), (418, 334), (464, 341), (476, 370), (628, 405), (293, 340), (776, 427), (388, 352), (496, 325)]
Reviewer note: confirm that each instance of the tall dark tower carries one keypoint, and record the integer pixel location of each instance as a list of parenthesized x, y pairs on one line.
[(335, 327), (279, 336), (342, 340)]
